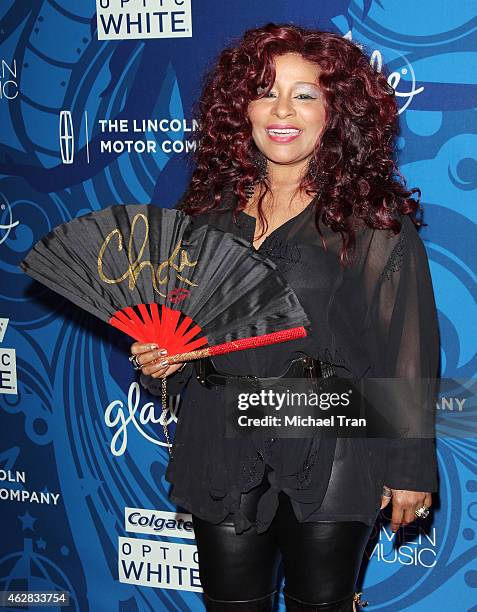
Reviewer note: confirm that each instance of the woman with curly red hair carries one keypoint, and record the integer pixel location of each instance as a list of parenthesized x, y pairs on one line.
[(296, 156)]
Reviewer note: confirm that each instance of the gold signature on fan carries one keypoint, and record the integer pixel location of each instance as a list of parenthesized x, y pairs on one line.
[(160, 276)]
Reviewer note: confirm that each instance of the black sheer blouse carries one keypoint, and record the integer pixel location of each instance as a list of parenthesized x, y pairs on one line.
[(375, 319)]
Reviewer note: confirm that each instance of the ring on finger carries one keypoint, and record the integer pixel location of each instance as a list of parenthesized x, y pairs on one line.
[(422, 512), (158, 364), (135, 363)]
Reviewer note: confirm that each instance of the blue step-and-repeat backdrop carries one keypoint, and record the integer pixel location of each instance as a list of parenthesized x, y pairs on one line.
[(96, 109)]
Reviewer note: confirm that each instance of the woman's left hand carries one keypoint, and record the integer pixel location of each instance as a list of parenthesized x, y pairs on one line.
[(404, 505)]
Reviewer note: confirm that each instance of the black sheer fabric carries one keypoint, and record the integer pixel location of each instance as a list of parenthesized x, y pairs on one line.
[(375, 319)]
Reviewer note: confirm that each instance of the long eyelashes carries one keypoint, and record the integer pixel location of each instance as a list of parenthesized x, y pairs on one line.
[(300, 96)]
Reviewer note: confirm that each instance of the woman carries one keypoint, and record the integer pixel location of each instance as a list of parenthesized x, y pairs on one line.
[(295, 156)]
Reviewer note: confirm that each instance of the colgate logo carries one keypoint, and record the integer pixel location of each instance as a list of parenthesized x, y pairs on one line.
[(158, 523)]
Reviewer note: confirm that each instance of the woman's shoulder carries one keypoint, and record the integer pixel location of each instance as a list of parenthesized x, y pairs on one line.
[(227, 201), (384, 248), (215, 215), (387, 236), (406, 239)]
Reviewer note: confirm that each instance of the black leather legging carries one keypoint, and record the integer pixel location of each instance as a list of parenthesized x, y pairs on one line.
[(321, 561)]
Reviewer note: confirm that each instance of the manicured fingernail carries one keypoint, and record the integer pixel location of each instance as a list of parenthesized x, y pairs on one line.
[(164, 363), (153, 346), (163, 352)]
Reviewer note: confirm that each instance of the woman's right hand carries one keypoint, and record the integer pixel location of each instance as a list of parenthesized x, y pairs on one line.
[(152, 359)]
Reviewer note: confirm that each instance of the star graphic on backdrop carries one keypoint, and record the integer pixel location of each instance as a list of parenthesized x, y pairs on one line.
[(27, 521), (89, 485), (41, 544)]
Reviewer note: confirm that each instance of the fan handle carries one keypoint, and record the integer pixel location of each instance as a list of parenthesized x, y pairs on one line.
[(239, 345)]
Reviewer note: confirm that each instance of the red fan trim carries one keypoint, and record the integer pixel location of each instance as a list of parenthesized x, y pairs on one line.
[(159, 324)]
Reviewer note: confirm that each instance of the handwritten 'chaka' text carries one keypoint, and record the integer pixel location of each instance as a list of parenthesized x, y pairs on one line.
[(178, 260)]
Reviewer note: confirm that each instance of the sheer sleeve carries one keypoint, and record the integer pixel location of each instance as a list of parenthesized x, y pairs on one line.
[(177, 381), (403, 339)]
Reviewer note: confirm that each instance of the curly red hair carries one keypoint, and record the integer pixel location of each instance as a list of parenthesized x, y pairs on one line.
[(356, 174)]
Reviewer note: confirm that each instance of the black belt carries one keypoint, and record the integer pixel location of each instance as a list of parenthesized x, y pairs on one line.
[(302, 367)]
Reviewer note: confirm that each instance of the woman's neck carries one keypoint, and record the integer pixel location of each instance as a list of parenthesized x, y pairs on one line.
[(285, 178)]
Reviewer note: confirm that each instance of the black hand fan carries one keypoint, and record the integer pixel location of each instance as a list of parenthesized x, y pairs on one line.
[(144, 270)]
